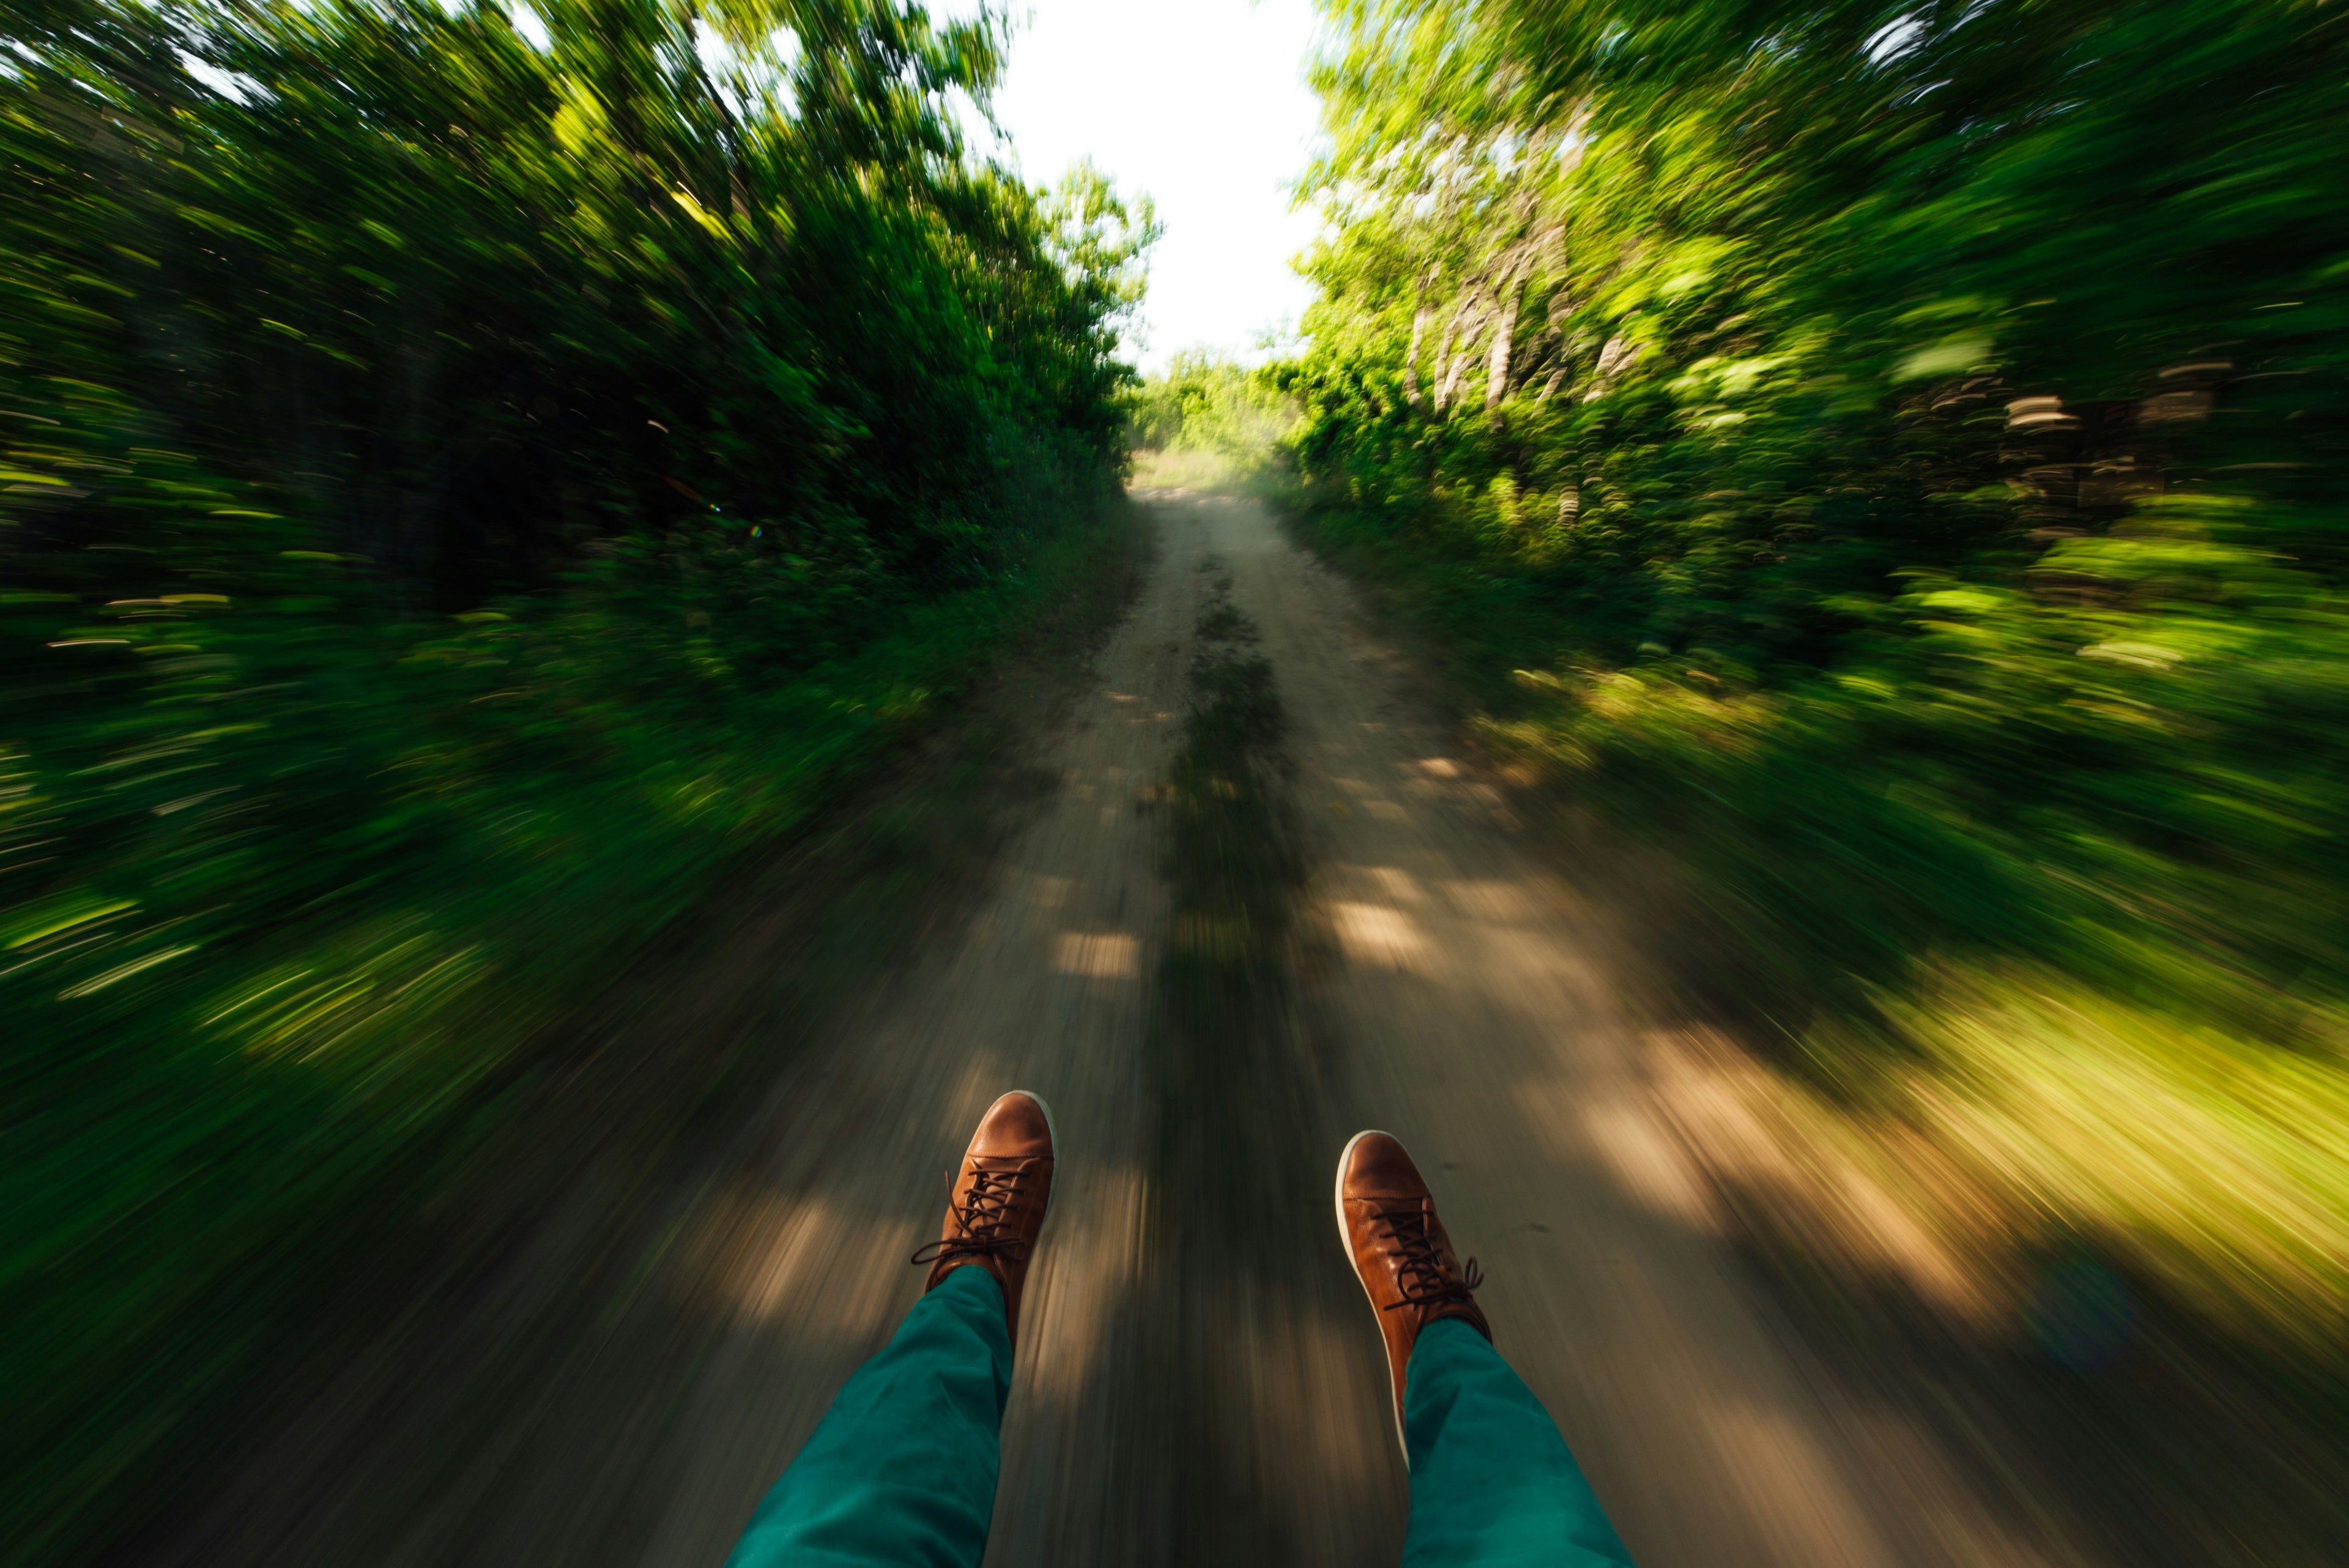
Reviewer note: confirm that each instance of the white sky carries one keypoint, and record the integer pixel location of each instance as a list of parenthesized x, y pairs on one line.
[(1203, 105)]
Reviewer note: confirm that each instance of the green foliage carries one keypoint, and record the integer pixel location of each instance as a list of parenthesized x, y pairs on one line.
[(1906, 446), (458, 497), (1208, 408)]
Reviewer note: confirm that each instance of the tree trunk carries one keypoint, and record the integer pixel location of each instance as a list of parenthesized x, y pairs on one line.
[(1410, 360), (1453, 375), (1451, 352), (1496, 369)]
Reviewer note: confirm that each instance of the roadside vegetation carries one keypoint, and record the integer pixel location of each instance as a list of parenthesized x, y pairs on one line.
[(473, 479), (1882, 468)]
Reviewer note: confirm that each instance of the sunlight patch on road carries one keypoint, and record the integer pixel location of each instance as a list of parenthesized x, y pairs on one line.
[(1792, 1488), (1761, 1139), (1377, 935), (1575, 1122), (1098, 955), (1089, 1266), (1647, 1164), (1396, 883), (802, 1261)]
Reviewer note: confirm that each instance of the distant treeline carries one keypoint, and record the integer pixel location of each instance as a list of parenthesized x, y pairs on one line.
[(1905, 448), (1208, 421), (457, 490), (1201, 402)]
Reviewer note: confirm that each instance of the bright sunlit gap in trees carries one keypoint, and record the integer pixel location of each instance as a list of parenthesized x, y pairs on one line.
[(1201, 104)]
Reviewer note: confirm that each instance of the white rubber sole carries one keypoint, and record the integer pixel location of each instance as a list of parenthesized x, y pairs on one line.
[(1346, 1245)]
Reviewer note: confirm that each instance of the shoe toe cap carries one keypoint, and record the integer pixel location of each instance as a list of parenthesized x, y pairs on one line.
[(1377, 1164), (1015, 1126)]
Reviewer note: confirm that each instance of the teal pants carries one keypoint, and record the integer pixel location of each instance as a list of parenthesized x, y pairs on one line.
[(901, 1471)]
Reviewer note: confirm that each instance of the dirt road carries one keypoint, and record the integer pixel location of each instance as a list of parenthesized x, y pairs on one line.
[(1198, 1379)]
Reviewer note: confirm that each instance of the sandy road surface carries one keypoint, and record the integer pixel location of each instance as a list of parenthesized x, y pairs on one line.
[(1199, 1380)]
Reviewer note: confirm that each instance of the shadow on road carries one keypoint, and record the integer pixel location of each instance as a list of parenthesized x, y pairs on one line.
[(1266, 1348)]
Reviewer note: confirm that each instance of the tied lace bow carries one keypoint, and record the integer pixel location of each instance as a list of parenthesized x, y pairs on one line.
[(980, 1217), (1419, 1265)]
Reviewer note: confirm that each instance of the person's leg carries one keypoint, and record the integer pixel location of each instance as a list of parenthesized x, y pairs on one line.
[(902, 1469), (1491, 1481)]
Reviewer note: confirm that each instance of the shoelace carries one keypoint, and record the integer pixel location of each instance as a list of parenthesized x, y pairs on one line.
[(980, 1219), (1425, 1281)]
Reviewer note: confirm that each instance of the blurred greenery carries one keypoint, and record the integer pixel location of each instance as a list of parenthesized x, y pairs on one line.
[(1887, 459), (1205, 422), (467, 479)]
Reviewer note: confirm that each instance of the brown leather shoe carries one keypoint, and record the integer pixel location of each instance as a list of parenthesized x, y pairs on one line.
[(998, 1200), (1387, 1222)]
